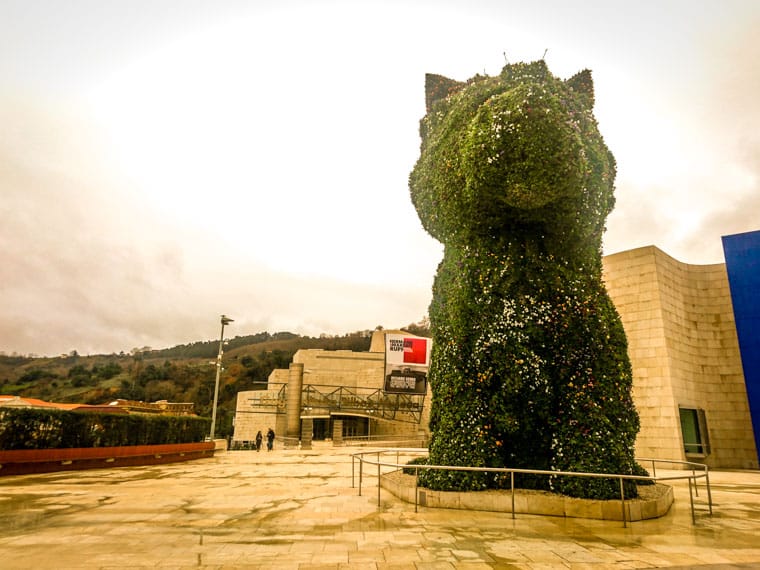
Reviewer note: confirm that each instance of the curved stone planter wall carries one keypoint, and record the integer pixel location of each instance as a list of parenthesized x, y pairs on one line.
[(26, 461), (654, 502)]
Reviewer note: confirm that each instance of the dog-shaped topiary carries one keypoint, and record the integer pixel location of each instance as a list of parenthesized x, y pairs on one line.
[(529, 366)]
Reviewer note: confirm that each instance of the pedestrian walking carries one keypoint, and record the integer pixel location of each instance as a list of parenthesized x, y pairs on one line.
[(270, 439), (259, 439)]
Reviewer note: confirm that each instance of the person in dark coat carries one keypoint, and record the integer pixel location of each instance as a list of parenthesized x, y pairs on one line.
[(270, 439), (259, 439)]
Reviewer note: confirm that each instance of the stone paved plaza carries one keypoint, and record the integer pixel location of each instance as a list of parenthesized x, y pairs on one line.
[(297, 509)]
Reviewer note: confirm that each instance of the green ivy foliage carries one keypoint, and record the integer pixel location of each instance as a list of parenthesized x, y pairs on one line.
[(530, 366)]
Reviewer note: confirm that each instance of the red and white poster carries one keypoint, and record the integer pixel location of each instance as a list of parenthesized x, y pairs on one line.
[(407, 358)]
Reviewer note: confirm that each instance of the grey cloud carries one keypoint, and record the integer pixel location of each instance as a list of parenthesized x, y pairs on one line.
[(636, 220), (71, 278)]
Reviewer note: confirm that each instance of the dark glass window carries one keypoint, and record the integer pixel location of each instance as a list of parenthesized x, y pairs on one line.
[(694, 431)]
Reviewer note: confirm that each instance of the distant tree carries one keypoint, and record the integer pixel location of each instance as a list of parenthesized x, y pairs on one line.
[(107, 371), (79, 376), (162, 390), (35, 375), (421, 328), (78, 370), (152, 373), (284, 336), (129, 391), (13, 360)]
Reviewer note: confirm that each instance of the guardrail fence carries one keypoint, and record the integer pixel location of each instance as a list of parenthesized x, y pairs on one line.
[(694, 471)]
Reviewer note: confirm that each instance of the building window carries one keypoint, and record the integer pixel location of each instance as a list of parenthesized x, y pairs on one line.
[(694, 431)]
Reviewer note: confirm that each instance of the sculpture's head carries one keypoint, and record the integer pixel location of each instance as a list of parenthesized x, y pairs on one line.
[(521, 152)]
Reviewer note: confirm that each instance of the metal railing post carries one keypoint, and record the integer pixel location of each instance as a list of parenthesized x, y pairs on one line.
[(361, 473), (512, 485), (691, 501), (622, 501), (709, 493), (416, 485), (378, 479)]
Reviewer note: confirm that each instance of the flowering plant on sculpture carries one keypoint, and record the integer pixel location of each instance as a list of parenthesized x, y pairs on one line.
[(529, 366)]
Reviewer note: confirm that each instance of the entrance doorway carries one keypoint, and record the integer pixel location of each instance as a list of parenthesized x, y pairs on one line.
[(321, 429), (355, 426)]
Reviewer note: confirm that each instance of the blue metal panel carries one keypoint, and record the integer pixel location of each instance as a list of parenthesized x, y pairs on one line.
[(742, 253)]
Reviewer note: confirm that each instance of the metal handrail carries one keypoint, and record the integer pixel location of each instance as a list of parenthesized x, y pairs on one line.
[(384, 440), (360, 456), (370, 401)]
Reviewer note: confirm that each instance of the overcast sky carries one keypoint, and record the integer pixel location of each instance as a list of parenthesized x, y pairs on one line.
[(164, 162)]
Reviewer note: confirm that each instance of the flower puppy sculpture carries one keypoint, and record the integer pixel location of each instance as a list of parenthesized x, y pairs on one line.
[(529, 366)]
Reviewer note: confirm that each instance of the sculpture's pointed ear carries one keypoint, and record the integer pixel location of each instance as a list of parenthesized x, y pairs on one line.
[(582, 84), (439, 87)]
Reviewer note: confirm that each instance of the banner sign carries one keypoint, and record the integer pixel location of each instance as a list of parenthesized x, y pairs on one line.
[(407, 358)]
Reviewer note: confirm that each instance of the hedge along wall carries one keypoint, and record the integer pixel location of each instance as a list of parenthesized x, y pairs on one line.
[(34, 428)]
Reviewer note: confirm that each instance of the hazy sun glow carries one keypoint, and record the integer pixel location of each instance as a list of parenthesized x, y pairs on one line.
[(163, 163)]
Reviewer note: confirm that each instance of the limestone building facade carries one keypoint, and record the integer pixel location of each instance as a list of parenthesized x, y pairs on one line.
[(338, 392), (688, 384)]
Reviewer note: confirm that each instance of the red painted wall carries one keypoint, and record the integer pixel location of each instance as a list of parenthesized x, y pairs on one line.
[(25, 461)]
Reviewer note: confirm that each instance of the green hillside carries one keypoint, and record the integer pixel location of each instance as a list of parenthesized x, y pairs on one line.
[(183, 373)]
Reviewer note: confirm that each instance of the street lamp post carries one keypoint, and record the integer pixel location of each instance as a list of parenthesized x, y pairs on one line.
[(225, 321)]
